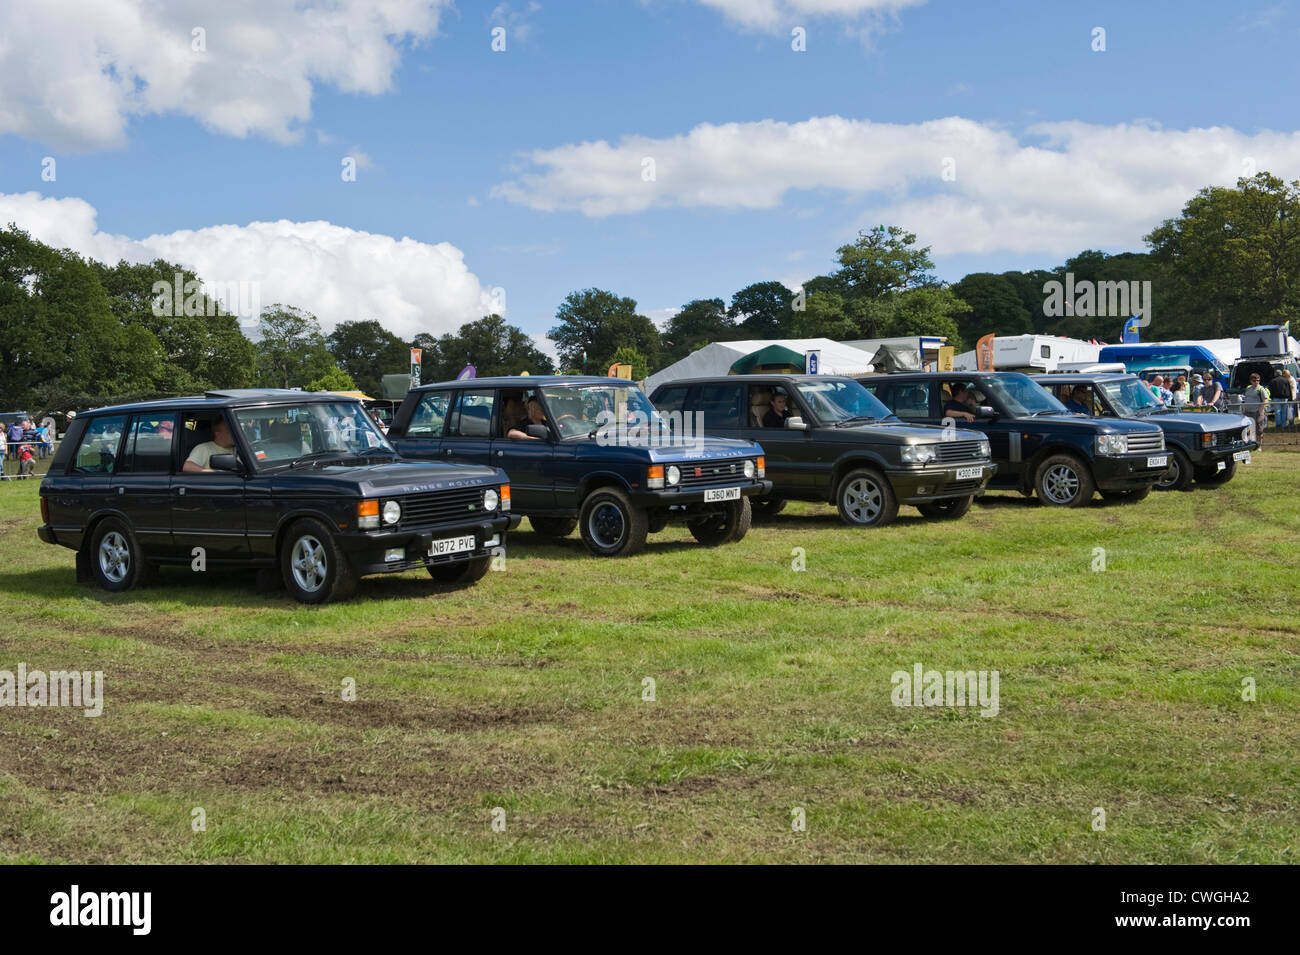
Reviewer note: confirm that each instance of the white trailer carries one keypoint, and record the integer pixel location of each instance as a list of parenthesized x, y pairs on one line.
[(1037, 353)]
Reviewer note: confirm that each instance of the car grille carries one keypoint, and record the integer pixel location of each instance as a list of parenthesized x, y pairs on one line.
[(1146, 443), (962, 486), (699, 473), (1228, 437), (959, 451), (441, 507)]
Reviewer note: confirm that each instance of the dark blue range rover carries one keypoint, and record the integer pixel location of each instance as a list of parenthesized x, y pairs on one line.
[(587, 452), (302, 483)]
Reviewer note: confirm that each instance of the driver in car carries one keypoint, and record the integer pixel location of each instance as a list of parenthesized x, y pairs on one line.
[(777, 412), (535, 415), (957, 406), (1078, 402), (221, 443)]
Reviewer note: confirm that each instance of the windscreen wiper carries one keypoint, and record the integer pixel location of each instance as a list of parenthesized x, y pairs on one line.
[(318, 455)]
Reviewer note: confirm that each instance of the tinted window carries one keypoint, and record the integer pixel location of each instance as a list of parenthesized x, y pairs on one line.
[(672, 398), (429, 416), (721, 405), (907, 399), (97, 452), (149, 444), (472, 416)]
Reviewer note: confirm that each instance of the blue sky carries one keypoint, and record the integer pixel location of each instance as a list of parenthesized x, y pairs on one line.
[(1057, 147)]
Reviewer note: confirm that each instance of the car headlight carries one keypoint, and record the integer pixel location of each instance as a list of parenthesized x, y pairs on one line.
[(1112, 444), (392, 512), (674, 474), (986, 450), (749, 469), (490, 500), (918, 453)]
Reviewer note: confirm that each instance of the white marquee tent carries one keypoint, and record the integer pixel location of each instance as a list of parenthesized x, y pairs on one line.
[(717, 359)]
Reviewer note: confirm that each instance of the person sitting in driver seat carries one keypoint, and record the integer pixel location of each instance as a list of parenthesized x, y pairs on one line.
[(221, 443), (777, 411), (1078, 402), (957, 406), (535, 416)]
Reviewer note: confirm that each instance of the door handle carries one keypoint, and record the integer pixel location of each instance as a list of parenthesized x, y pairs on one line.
[(180, 490), (121, 490), (501, 454)]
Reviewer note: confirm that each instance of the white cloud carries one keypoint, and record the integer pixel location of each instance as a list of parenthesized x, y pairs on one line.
[(772, 15), (1056, 189), (74, 72), (336, 273)]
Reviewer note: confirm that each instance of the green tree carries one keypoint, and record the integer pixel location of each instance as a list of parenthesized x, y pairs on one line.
[(595, 323), (881, 261), (491, 345), (336, 379), (291, 350), (367, 351), (630, 356), (700, 322), (762, 310), (995, 307), (930, 310)]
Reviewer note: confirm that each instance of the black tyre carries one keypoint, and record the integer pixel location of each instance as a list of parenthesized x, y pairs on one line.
[(769, 506), (949, 508), (553, 526), (731, 523), (610, 525), (1213, 478), (461, 572), (314, 568), (865, 499), (1127, 497), (116, 561), (1179, 475), (1064, 481)]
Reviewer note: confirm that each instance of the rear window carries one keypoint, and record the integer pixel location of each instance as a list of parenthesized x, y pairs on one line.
[(429, 415), (97, 453), (472, 417), (672, 399)]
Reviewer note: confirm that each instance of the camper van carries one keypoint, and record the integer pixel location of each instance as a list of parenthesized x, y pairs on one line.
[(1026, 353)]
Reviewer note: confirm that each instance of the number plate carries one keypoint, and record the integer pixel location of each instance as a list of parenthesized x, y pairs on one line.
[(965, 474), (1242, 456), (451, 545), (1161, 462), (721, 494)]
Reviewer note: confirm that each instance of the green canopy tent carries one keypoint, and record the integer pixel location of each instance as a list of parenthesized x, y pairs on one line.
[(773, 358)]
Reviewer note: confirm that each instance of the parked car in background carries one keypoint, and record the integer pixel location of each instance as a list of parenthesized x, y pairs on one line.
[(838, 445), (1039, 447), (311, 488), (1203, 445), (592, 454)]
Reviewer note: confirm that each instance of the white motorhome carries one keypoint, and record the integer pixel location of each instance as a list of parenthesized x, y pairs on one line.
[(1037, 353)]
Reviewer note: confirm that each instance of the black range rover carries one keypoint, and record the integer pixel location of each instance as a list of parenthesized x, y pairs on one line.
[(838, 444), (1205, 445), (307, 484), (1040, 447), (589, 453)]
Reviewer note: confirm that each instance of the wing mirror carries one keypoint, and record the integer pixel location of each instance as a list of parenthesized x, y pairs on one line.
[(538, 431), (223, 462), (795, 423), (987, 411)]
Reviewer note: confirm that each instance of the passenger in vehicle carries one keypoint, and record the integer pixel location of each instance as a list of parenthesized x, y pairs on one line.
[(777, 411), (958, 405), (1078, 402), (221, 443), (535, 415)]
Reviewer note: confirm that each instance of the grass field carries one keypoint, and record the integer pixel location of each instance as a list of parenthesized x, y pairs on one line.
[(1119, 689)]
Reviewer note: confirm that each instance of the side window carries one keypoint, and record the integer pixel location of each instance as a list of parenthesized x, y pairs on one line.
[(907, 399), (472, 415), (672, 399), (721, 406), (149, 444), (429, 416), (97, 453)]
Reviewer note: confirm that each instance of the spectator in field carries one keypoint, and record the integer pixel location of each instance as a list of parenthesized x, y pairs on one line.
[(958, 406), (1195, 391), (26, 461), (15, 433), (1212, 394), (777, 412), (4, 449), (1279, 389), (1254, 405), (45, 444), (1181, 393), (1160, 391), (221, 443)]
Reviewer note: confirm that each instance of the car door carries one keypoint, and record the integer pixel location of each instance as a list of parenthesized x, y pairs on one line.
[(1006, 446), (422, 438), (93, 465), (207, 509), (141, 488), (789, 454), (468, 434)]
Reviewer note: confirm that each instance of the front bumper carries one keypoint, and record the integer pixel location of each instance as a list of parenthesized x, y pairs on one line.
[(694, 496), (916, 485), (1210, 457), (1128, 472), (366, 550)]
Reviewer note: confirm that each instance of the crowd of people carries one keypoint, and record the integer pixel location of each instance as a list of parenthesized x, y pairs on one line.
[(1280, 396), (24, 441)]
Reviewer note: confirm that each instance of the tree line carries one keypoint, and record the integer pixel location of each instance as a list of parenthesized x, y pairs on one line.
[(76, 333)]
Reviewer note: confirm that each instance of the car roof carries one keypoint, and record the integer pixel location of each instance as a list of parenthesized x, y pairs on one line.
[(1081, 377), (228, 398), (926, 375), (523, 381), (775, 376)]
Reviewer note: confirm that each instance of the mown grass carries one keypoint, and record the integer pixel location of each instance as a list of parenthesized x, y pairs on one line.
[(1119, 689)]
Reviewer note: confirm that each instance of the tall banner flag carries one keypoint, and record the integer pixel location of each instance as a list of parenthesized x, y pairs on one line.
[(415, 367), (469, 371), (1131, 334), (812, 361), (984, 353)]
